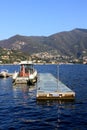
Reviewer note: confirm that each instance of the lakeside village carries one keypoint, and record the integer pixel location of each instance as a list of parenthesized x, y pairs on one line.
[(8, 56)]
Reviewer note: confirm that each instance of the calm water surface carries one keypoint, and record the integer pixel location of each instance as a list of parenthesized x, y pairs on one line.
[(19, 109)]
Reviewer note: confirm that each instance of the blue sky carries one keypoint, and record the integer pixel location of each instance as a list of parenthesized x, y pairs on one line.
[(41, 17)]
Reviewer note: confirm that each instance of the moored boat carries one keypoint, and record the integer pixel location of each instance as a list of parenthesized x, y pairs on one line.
[(27, 73), (4, 73)]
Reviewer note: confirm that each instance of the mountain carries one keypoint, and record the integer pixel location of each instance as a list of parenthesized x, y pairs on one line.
[(31, 44), (69, 43)]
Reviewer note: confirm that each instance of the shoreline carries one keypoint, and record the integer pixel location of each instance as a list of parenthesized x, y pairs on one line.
[(49, 64)]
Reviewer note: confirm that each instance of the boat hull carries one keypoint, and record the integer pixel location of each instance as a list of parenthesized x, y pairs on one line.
[(4, 75), (24, 80)]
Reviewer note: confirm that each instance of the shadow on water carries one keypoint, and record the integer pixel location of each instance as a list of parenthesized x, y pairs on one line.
[(46, 102)]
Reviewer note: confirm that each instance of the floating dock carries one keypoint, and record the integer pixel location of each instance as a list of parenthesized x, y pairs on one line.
[(48, 87)]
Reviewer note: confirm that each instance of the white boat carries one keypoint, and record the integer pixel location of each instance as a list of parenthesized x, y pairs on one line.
[(4, 73), (27, 73)]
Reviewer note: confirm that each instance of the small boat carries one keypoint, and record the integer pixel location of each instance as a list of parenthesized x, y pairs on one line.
[(4, 73), (27, 73)]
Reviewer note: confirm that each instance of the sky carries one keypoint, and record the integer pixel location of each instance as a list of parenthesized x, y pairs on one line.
[(41, 17)]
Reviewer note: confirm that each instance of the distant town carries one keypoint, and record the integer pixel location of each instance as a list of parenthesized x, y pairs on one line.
[(8, 56)]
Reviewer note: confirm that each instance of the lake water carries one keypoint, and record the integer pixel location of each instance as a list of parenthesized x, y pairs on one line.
[(19, 109)]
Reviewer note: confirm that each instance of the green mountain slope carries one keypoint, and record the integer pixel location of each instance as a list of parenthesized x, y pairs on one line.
[(71, 43)]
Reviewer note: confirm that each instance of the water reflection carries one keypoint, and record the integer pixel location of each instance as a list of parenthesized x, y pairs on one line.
[(22, 87), (20, 94), (22, 91), (60, 110)]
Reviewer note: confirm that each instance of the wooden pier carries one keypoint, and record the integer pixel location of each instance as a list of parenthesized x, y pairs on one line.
[(48, 87)]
